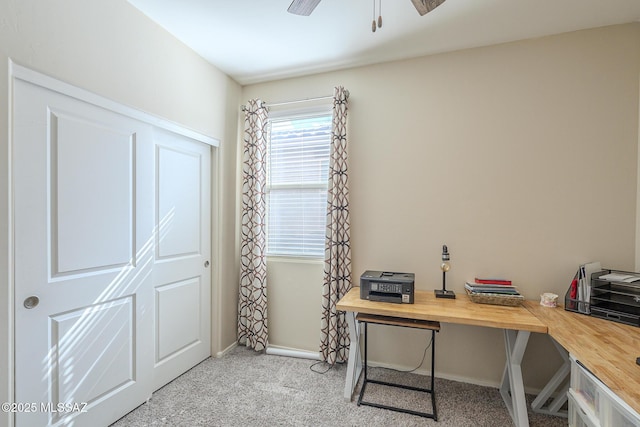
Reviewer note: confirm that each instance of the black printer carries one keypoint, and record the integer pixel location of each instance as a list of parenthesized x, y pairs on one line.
[(387, 286)]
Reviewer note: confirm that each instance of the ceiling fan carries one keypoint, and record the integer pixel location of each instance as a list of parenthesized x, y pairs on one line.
[(305, 7)]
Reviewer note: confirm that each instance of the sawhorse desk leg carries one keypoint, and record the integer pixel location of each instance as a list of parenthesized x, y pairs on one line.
[(354, 364), (558, 383), (512, 388)]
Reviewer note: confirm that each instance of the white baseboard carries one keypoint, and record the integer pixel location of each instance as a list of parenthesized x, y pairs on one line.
[(226, 350), (292, 352), (462, 379), (278, 351)]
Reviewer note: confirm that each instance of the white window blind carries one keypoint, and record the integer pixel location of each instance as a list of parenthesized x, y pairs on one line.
[(297, 173)]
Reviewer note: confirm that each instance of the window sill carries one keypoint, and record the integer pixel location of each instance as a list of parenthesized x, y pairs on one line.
[(294, 259)]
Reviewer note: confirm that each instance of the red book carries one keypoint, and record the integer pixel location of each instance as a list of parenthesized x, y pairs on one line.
[(574, 289), (494, 282)]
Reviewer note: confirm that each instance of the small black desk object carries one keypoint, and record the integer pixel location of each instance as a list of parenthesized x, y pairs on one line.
[(406, 323)]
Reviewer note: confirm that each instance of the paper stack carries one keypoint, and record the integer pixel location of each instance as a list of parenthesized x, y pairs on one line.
[(491, 286)]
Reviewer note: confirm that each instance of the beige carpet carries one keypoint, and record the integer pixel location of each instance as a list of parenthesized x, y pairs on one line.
[(246, 388)]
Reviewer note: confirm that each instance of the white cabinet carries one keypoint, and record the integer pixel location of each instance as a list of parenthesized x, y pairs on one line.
[(593, 404)]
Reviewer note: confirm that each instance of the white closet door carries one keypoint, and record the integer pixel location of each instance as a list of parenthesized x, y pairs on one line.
[(182, 271), (112, 233)]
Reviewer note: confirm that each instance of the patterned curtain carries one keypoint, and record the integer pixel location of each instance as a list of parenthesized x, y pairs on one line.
[(334, 341), (252, 301)]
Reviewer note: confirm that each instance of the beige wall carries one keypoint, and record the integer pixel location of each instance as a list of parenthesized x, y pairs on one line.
[(297, 284), (521, 157), (507, 154), (110, 48)]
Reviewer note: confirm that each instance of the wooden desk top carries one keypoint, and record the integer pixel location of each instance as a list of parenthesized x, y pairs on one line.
[(608, 349), (459, 310)]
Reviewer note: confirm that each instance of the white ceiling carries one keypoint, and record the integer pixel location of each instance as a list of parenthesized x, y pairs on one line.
[(258, 40)]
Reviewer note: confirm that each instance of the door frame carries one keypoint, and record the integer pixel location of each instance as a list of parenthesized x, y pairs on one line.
[(19, 72)]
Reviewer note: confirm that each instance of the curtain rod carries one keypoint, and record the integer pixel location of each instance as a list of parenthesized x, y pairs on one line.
[(317, 98), (276, 104)]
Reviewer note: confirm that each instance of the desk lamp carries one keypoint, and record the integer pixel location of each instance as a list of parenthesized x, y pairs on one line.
[(444, 293)]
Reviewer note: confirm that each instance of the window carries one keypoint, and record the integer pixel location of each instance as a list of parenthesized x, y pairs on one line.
[(297, 172)]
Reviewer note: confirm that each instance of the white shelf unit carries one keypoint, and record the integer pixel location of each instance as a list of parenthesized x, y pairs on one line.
[(593, 404)]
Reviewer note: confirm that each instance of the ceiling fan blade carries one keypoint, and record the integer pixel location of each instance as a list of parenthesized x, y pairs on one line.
[(302, 7), (425, 6)]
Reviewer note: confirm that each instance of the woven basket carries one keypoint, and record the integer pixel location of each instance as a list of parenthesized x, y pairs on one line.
[(496, 299)]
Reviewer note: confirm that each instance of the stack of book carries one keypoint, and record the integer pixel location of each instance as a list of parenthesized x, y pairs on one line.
[(491, 286), (493, 291)]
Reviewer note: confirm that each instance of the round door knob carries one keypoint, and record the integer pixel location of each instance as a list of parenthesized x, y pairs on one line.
[(31, 302), (206, 264)]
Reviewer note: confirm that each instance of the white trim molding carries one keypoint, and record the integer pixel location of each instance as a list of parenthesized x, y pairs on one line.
[(22, 73)]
